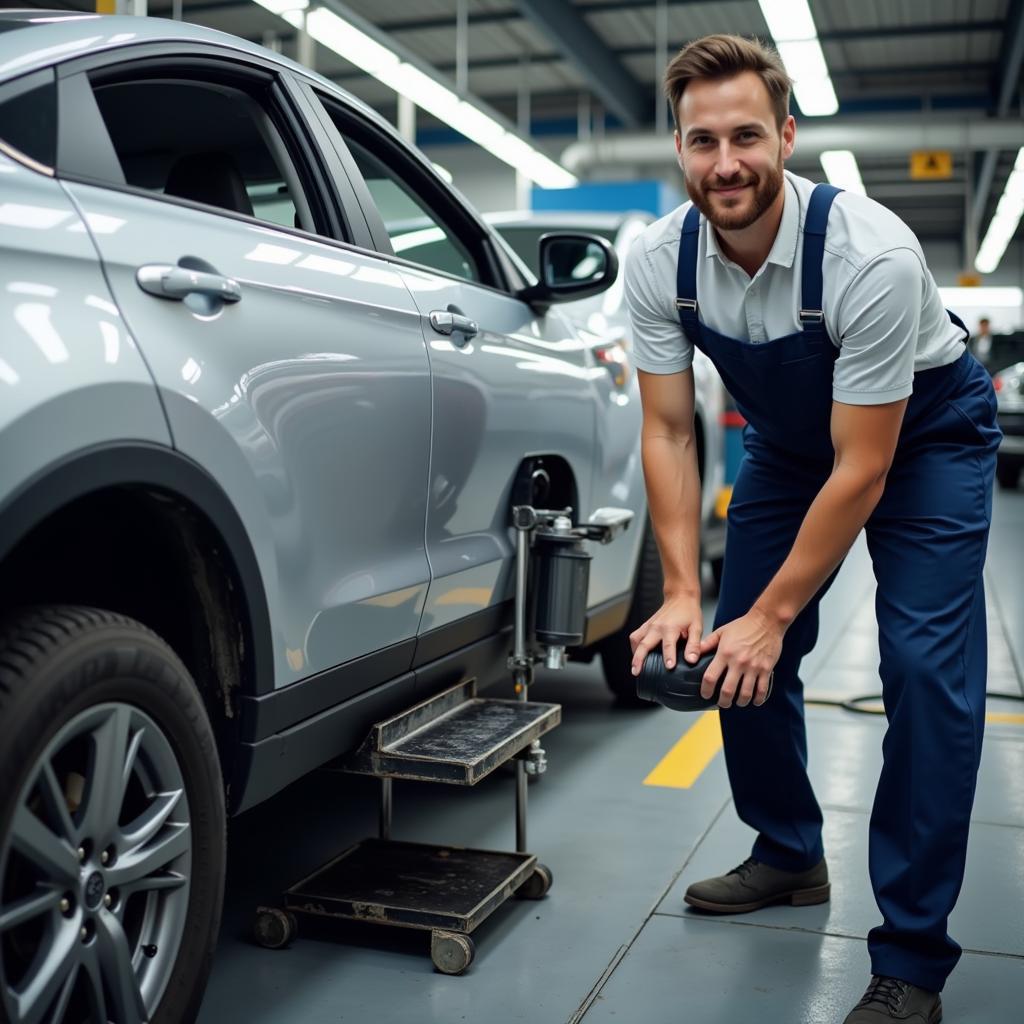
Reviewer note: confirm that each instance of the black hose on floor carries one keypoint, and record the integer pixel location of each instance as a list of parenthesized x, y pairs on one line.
[(854, 704)]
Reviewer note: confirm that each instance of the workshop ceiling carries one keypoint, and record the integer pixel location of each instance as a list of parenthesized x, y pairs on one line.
[(912, 59)]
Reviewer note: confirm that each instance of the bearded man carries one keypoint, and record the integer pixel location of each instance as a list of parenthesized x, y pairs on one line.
[(865, 411)]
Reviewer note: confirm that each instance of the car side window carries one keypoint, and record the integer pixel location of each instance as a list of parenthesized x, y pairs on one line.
[(207, 142), (28, 117), (418, 231)]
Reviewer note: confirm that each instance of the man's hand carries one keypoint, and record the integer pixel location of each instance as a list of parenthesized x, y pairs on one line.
[(748, 649), (677, 617)]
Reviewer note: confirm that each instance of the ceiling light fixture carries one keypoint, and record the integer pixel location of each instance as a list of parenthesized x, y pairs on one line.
[(840, 167), (992, 298), (425, 89), (796, 39), (1005, 220)]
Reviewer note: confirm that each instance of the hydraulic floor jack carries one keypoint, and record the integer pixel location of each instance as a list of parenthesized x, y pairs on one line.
[(459, 738)]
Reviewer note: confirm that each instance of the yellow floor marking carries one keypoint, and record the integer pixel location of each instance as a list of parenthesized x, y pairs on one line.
[(682, 765), (685, 762)]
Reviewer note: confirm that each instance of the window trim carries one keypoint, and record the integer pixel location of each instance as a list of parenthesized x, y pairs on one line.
[(204, 64), (342, 175), (11, 90), (440, 199)]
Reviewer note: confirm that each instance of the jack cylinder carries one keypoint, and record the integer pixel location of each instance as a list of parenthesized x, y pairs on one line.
[(562, 574)]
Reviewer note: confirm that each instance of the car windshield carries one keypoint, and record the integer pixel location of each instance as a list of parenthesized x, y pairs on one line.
[(525, 239)]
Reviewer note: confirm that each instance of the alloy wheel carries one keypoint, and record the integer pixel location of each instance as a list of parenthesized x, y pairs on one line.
[(94, 873)]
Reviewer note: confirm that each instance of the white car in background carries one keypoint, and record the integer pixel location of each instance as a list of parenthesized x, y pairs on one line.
[(605, 316), (1009, 386)]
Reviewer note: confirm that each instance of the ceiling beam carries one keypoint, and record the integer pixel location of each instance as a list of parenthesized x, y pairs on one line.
[(609, 81), (506, 14), (939, 28), (492, 63), (1008, 80)]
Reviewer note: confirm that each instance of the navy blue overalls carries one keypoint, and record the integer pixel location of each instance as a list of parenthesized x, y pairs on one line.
[(927, 540)]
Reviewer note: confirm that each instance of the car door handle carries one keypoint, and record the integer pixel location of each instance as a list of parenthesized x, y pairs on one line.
[(171, 282), (445, 322)]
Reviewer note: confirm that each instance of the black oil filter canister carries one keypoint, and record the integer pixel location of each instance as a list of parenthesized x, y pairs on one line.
[(678, 688), (561, 575)]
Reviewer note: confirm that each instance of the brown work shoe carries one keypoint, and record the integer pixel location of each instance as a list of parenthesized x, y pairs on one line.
[(890, 999), (754, 885)]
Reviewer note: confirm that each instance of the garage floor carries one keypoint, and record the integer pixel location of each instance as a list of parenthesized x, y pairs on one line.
[(612, 941)]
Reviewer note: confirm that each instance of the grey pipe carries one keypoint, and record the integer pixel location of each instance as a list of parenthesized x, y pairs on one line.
[(866, 137)]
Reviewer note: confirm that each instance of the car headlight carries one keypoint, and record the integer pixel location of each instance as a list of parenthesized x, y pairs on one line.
[(614, 358), (1009, 386)]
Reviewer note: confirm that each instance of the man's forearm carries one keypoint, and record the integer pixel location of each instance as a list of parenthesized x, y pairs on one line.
[(673, 496), (829, 529)]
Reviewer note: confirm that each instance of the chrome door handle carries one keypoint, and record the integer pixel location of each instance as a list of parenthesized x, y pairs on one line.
[(453, 323), (171, 282)]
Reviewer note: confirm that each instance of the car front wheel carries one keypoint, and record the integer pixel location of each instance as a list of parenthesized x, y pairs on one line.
[(616, 652), (111, 823), (1008, 473)]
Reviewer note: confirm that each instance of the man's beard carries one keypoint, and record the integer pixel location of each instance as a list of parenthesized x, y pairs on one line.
[(743, 213)]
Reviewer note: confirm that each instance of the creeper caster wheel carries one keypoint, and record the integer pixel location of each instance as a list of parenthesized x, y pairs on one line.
[(452, 953), (274, 928), (537, 885)]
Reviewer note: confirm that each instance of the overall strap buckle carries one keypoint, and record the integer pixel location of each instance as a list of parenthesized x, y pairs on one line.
[(686, 276), (812, 319)]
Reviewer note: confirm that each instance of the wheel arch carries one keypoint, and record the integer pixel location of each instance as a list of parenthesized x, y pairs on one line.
[(96, 526)]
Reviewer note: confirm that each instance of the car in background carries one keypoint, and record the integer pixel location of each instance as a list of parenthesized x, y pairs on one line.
[(1009, 385), (606, 317), (259, 448)]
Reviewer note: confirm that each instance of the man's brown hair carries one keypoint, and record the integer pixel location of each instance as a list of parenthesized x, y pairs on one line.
[(723, 56)]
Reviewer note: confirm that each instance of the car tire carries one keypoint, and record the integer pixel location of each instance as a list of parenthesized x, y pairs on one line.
[(717, 569), (1008, 474), (112, 821), (616, 653)]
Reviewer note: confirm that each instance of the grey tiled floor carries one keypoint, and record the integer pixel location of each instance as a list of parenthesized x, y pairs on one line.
[(612, 942)]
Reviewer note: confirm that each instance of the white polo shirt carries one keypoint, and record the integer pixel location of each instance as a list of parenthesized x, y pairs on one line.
[(882, 308)]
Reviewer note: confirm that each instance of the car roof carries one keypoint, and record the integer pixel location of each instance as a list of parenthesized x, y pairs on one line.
[(44, 38)]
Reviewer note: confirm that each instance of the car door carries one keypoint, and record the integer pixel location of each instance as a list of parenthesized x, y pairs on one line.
[(522, 384), (292, 366)]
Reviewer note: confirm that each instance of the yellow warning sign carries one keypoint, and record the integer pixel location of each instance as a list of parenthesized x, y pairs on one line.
[(931, 164)]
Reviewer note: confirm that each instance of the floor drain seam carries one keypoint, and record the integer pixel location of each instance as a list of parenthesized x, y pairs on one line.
[(595, 992), (598, 985), (708, 919)]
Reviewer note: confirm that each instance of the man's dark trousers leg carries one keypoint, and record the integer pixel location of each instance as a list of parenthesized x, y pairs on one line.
[(927, 539), (766, 747)]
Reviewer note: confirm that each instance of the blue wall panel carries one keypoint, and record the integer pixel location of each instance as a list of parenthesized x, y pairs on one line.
[(653, 196)]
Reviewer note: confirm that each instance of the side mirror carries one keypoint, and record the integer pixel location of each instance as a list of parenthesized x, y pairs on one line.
[(572, 266)]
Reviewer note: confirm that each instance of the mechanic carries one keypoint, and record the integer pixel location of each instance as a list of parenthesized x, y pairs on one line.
[(865, 411)]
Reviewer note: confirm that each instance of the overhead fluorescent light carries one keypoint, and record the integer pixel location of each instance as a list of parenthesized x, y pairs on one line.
[(796, 38), (989, 298), (427, 91), (338, 35), (840, 167), (290, 10), (788, 19), (1005, 220)]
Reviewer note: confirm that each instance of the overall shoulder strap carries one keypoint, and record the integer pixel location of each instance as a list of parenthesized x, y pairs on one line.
[(812, 318), (686, 274)]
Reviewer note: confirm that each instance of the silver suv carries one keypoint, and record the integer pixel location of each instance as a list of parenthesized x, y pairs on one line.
[(256, 473)]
